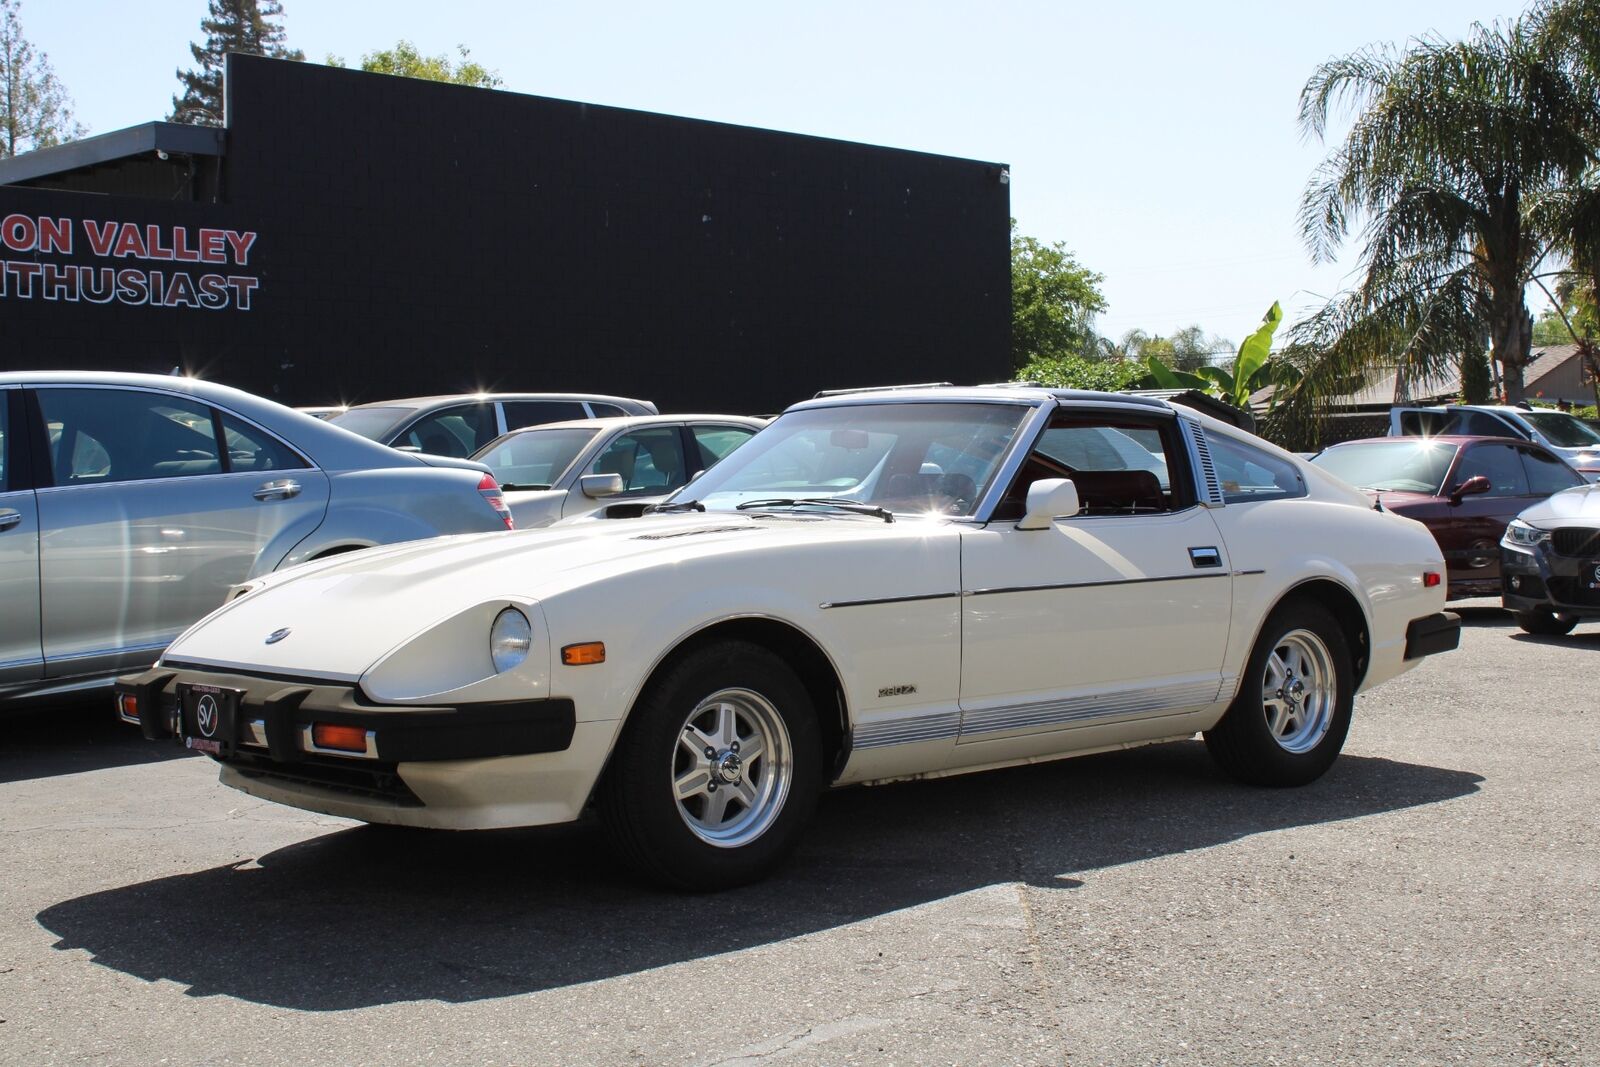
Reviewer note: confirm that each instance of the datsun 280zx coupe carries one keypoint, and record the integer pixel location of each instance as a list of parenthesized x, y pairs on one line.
[(878, 585)]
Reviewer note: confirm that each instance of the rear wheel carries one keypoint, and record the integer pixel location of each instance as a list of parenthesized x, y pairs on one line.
[(1544, 621), (717, 771), (1289, 720)]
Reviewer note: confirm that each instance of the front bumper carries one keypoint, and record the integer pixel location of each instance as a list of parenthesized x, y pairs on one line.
[(471, 766), (1541, 579)]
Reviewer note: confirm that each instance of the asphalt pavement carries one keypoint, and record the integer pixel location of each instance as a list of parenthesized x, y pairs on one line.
[(1431, 900)]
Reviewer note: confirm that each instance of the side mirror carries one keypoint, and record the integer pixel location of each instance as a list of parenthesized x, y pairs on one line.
[(595, 486), (1048, 500), (1473, 486)]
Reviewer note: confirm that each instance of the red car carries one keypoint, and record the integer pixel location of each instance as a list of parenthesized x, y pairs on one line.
[(1464, 489)]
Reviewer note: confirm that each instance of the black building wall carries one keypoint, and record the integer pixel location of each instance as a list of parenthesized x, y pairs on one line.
[(415, 237)]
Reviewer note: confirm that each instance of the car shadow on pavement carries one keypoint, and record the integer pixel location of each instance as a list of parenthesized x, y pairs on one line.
[(69, 737), (371, 916)]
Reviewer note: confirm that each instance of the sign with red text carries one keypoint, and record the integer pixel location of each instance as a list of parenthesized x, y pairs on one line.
[(131, 263)]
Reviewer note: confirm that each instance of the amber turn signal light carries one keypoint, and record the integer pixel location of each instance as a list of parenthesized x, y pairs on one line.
[(584, 654), (343, 738), (128, 707), (1430, 579)]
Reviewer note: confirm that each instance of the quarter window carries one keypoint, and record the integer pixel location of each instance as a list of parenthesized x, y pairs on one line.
[(252, 449), (119, 435), (1249, 474)]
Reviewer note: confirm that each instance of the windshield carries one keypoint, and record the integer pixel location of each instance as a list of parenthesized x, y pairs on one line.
[(1408, 465), (1563, 430), (534, 459), (372, 423), (908, 458)]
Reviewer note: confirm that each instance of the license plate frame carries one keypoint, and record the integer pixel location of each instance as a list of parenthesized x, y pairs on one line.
[(208, 717)]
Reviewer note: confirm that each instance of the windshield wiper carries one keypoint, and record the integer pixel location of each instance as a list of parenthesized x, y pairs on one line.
[(676, 505), (822, 502), (516, 487)]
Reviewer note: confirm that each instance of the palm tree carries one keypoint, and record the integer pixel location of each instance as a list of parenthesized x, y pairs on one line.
[(1451, 143)]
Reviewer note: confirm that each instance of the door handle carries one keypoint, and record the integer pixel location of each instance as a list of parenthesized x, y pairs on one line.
[(9, 518), (1207, 556), (279, 490)]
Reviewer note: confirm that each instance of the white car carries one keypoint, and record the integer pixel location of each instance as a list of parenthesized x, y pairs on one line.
[(877, 586), (611, 468)]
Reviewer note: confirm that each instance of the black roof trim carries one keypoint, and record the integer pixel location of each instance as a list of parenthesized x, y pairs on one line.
[(174, 138)]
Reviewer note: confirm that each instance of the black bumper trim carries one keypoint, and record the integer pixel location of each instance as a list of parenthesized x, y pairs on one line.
[(1433, 634), (401, 733)]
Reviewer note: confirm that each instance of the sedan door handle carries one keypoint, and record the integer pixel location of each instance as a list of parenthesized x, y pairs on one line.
[(9, 518), (280, 490)]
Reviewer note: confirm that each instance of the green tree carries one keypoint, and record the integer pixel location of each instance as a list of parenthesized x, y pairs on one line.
[(1054, 300), (1451, 143), (406, 61), (35, 111), (248, 26)]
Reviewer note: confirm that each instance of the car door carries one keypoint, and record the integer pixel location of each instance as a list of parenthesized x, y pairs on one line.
[(21, 656), (157, 504), (1117, 615), (650, 461), (1472, 527)]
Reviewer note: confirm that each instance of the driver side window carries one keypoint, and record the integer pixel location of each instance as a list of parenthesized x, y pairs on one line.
[(1122, 464)]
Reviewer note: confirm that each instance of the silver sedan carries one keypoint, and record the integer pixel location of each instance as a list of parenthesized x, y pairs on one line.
[(607, 468), (130, 503)]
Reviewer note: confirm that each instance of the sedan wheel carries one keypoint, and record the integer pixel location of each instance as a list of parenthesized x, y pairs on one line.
[(717, 770), (1290, 717)]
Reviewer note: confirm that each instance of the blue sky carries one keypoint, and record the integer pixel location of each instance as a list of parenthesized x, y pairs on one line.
[(1158, 140)]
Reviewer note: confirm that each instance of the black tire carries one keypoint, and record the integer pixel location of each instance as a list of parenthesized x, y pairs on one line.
[(1243, 742), (1544, 621), (643, 817)]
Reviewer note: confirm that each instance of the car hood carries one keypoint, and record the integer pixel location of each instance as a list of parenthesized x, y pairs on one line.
[(1570, 507), (345, 614)]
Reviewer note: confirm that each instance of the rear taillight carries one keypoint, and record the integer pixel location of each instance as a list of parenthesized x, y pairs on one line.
[(489, 489)]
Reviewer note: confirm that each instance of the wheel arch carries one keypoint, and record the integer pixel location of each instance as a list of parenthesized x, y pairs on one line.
[(1345, 607), (811, 662)]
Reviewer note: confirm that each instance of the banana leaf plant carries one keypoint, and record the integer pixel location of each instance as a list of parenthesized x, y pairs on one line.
[(1253, 369)]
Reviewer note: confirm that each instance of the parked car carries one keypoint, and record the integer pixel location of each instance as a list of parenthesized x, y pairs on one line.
[(1550, 559), (1464, 489), (611, 468), (460, 425), (1569, 437), (129, 504), (876, 586)]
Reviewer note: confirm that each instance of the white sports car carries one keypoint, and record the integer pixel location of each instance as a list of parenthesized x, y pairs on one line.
[(882, 585)]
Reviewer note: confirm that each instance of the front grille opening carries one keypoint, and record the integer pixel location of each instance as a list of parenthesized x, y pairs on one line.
[(370, 781), (1576, 541)]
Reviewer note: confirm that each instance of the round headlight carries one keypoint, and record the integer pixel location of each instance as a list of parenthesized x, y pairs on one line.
[(509, 639)]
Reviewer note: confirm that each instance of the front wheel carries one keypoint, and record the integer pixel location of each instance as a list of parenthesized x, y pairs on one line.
[(717, 771), (1292, 712), (1546, 622)]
